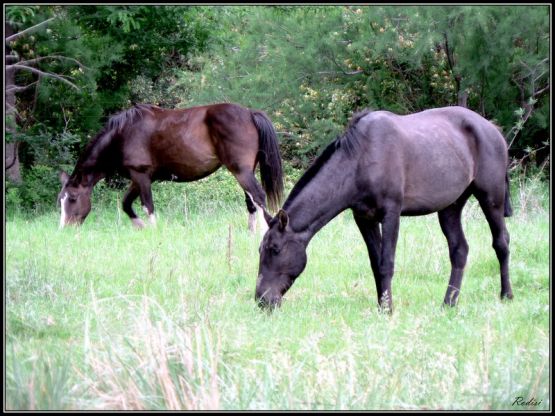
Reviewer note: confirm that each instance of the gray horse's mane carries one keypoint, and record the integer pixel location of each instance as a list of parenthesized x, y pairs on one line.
[(349, 142)]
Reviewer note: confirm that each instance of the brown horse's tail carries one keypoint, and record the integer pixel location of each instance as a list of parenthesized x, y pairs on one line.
[(271, 171), (508, 208)]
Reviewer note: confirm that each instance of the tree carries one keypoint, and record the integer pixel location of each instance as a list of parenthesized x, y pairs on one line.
[(70, 67), (312, 67), (25, 69)]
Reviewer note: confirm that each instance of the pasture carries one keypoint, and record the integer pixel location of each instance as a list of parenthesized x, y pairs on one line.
[(108, 317)]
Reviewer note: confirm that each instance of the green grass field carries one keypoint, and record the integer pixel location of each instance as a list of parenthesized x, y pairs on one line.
[(107, 317)]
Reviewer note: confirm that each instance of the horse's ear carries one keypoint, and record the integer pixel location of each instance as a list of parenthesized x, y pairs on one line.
[(283, 219), (88, 180), (64, 177)]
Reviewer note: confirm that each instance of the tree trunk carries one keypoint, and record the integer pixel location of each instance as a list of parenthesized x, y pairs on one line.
[(11, 155), (462, 98)]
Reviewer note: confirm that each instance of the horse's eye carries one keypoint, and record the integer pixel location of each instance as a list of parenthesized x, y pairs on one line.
[(72, 199), (274, 249)]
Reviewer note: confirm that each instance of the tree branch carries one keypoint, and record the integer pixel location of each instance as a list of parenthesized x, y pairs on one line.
[(450, 58), (331, 56), (516, 130), (16, 88), (359, 71), (45, 74), (34, 61), (12, 57), (540, 91), (28, 30)]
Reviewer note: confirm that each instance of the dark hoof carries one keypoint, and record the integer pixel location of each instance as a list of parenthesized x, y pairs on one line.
[(507, 296), (385, 309), (449, 304)]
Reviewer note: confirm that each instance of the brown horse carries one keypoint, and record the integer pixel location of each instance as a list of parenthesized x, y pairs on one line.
[(146, 143)]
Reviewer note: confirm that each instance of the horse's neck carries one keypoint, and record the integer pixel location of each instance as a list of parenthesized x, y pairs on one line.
[(89, 177), (330, 192), (94, 163), (90, 170)]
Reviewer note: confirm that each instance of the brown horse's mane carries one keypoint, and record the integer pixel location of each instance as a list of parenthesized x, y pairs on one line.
[(98, 144)]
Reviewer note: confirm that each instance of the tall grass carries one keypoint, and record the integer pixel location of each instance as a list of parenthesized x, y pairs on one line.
[(106, 317)]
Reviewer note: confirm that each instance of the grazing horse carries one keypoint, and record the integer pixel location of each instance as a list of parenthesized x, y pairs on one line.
[(146, 143), (386, 166)]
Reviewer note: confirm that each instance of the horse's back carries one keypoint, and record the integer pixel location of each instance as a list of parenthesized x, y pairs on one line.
[(187, 144), (432, 133), (171, 143), (429, 158)]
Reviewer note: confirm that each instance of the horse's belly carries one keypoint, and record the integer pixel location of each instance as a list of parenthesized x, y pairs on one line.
[(184, 155), (428, 203), (432, 190), (436, 178), (186, 172)]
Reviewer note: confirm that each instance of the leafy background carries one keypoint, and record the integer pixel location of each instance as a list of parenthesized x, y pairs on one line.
[(309, 67)]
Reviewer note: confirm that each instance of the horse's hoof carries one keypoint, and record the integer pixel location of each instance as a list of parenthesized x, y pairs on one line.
[(138, 223), (507, 296), (385, 309), (449, 303)]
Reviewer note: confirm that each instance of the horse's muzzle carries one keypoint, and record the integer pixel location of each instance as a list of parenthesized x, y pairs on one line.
[(72, 221), (267, 300), (268, 304)]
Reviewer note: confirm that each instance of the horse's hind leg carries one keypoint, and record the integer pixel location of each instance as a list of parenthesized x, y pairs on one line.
[(450, 222), (255, 193), (130, 196), (252, 212), (493, 206), (390, 234)]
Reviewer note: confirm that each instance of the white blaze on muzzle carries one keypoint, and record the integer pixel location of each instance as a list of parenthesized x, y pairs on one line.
[(63, 217)]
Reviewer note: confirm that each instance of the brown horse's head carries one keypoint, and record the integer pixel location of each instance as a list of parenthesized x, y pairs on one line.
[(282, 259), (75, 200)]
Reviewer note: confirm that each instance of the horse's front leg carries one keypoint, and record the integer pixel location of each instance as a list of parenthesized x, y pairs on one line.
[(130, 196), (390, 233), (143, 182), (372, 235)]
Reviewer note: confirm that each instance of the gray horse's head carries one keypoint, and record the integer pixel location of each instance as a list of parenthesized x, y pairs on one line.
[(282, 260)]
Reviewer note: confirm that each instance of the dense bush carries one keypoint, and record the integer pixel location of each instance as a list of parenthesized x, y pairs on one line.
[(309, 68)]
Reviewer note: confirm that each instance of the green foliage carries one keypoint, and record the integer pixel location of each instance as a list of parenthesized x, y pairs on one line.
[(19, 16), (13, 198), (45, 154), (112, 54), (38, 383), (151, 39), (40, 189), (309, 68), (314, 66)]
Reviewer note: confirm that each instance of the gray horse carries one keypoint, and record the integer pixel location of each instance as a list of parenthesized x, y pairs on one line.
[(386, 166)]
